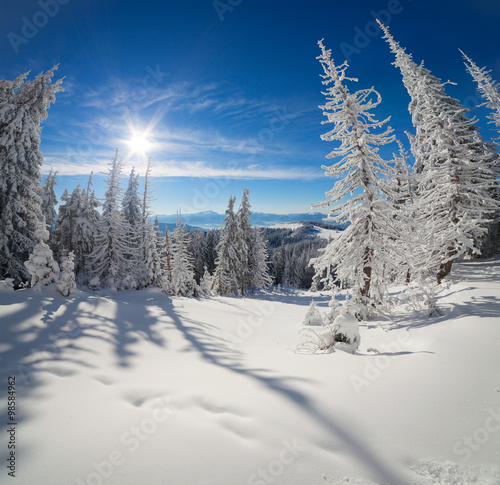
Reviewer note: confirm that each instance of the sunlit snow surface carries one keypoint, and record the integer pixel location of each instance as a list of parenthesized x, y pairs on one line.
[(139, 388)]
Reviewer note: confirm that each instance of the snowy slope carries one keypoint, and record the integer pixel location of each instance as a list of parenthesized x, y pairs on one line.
[(139, 388), (316, 231)]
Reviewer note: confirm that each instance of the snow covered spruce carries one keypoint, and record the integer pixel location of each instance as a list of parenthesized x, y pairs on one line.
[(23, 107), (454, 170), (359, 258), (121, 247), (404, 224), (241, 253)]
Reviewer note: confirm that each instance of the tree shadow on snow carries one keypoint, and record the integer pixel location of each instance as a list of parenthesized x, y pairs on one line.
[(215, 351), (32, 347), (477, 306)]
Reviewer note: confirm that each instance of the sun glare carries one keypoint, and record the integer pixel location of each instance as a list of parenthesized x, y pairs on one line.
[(139, 144)]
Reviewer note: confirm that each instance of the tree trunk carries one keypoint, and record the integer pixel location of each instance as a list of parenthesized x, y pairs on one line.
[(445, 268), (367, 270), (444, 271)]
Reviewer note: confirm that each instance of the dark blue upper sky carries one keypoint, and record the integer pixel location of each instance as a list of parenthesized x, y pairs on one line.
[(227, 91)]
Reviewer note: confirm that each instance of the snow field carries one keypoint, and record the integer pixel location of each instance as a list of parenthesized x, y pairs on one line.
[(138, 387)]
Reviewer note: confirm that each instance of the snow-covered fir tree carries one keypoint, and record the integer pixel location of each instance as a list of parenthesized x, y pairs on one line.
[(259, 264), (226, 278), (161, 251), (211, 241), (64, 237), (151, 271), (183, 282), (49, 200), (85, 233), (23, 107), (205, 286), (166, 259), (454, 169), (60, 239), (131, 203), (198, 249), (110, 265), (400, 190), (244, 244), (359, 256), (66, 281), (41, 265), (132, 215), (490, 91)]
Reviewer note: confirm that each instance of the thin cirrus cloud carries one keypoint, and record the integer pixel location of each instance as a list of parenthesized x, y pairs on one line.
[(188, 169), (111, 114), (182, 96)]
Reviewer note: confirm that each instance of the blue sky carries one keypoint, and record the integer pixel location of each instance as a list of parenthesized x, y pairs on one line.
[(227, 91)]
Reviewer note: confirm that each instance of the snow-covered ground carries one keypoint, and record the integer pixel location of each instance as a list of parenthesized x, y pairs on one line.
[(139, 388)]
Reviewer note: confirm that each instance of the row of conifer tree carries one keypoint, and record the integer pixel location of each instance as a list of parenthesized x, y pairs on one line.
[(406, 223)]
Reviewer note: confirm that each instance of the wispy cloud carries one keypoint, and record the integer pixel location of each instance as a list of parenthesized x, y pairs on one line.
[(219, 132), (219, 100), (188, 168)]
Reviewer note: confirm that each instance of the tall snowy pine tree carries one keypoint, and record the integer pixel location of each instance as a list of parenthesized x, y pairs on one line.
[(226, 278), (244, 244), (183, 282), (259, 266), (132, 215), (149, 262), (359, 255), (85, 233), (23, 107), (49, 200), (490, 91), (454, 168), (110, 265)]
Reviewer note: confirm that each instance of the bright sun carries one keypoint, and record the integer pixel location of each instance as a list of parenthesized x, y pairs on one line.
[(139, 144)]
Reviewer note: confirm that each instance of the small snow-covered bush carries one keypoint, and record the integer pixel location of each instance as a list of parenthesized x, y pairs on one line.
[(334, 310), (94, 283), (313, 317), (204, 289), (338, 329), (66, 282), (314, 333), (346, 333), (420, 298), (42, 266), (129, 282)]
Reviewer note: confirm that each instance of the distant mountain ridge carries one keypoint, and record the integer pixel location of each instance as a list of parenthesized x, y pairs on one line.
[(210, 219)]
